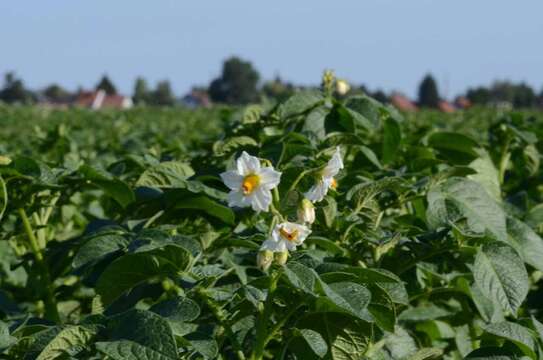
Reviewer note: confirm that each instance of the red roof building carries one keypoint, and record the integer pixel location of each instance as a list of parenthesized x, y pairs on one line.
[(99, 99), (402, 103), (446, 106)]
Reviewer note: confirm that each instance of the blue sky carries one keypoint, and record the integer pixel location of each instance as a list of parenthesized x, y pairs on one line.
[(388, 44)]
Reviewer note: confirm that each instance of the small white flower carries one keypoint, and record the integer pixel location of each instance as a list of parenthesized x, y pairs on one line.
[(250, 184), (342, 87), (326, 179), (286, 236), (306, 212)]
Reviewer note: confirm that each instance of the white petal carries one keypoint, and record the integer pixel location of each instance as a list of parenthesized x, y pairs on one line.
[(334, 165), (247, 164), (260, 199), (237, 199), (318, 191), (269, 178), (275, 246), (232, 179)]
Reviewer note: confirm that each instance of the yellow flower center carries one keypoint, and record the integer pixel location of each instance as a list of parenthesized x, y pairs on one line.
[(290, 236), (333, 185), (250, 182)]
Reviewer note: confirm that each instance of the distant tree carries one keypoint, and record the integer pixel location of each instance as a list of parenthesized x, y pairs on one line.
[(380, 96), (55, 93), (163, 94), (524, 96), (237, 83), (14, 90), (428, 93), (277, 89), (479, 96), (106, 85), (141, 91)]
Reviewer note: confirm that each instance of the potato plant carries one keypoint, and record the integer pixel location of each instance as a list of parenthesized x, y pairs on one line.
[(323, 227)]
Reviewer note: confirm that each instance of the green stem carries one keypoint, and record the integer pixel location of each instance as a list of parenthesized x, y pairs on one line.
[(51, 311), (262, 329)]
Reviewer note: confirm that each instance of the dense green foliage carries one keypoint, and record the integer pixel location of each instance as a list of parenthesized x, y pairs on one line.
[(117, 241)]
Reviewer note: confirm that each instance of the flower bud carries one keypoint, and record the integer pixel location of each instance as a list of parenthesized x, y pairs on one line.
[(342, 87), (281, 257), (306, 212), (4, 160), (264, 259)]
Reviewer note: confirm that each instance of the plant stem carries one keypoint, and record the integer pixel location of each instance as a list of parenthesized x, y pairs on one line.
[(261, 329), (504, 160), (51, 311)]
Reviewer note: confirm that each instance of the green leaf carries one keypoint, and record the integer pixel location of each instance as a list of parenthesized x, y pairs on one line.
[(113, 187), (454, 146), (492, 353), (344, 297), (208, 206), (518, 334), (177, 309), (487, 175), (299, 103), (130, 270), (526, 242), (392, 137), (165, 175), (346, 337), (151, 333), (500, 274), (426, 354), (314, 122), (129, 350), (6, 340), (70, 338), (314, 340), (223, 147), (97, 247), (300, 276), (423, 313), (457, 199)]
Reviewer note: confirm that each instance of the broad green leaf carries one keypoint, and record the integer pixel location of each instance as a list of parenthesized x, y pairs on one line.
[(518, 334), (423, 313), (70, 338), (208, 206), (392, 137), (346, 297), (177, 309), (6, 340), (426, 354), (231, 144), (130, 350), (346, 338), (300, 277), (492, 353), (500, 274), (315, 341), (97, 247), (314, 122), (454, 146), (459, 198), (150, 331), (165, 175), (130, 270), (526, 242), (299, 103), (113, 187), (487, 175)]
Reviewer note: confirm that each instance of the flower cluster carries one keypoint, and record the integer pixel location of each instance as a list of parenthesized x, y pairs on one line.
[(251, 185)]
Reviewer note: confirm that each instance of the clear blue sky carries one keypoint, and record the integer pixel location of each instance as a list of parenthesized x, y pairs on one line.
[(382, 43)]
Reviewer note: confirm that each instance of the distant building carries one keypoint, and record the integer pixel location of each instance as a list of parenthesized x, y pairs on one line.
[(445, 106), (402, 103), (462, 102), (196, 98), (96, 100)]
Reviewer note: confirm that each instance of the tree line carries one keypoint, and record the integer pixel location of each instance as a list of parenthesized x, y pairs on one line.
[(240, 83)]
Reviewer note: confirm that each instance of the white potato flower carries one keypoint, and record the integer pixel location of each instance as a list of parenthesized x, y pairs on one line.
[(342, 87), (286, 236), (250, 184), (306, 212), (326, 178)]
